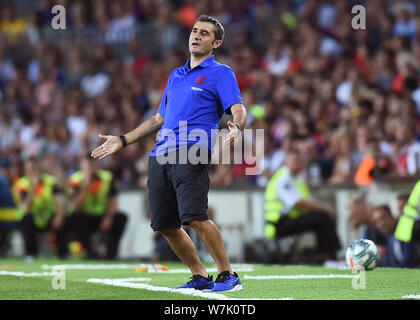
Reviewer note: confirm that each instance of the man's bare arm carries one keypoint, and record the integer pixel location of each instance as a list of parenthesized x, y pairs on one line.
[(150, 126), (112, 144), (239, 115), (239, 120)]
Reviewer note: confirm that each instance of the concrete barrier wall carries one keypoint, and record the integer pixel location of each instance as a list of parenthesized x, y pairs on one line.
[(240, 216)]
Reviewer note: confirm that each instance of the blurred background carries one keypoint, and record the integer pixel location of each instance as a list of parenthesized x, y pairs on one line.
[(348, 99)]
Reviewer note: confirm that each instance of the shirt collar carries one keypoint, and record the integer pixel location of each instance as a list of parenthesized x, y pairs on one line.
[(205, 63)]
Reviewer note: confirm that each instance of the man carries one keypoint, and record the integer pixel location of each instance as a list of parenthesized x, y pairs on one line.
[(408, 225), (41, 203), (360, 219), (290, 210), (8, 213), (196, 94), (402, 200), (95, 208), (394, 253)]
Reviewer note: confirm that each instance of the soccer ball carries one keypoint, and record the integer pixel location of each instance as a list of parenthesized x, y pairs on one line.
[(362, 253)]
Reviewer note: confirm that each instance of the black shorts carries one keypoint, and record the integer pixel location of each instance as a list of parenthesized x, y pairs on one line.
[(177, 193)]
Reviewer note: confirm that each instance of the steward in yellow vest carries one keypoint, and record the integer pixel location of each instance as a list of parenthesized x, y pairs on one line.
[(94, 207), (41, 207), (289, 209), (408, 227)]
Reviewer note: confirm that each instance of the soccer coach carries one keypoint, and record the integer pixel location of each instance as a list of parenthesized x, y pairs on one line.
[(197, 94)]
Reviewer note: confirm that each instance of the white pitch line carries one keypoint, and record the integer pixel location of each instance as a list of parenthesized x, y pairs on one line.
[(300, 276), (190, 292), (24, 274), (91, 266), (411, 296), (132, 279)]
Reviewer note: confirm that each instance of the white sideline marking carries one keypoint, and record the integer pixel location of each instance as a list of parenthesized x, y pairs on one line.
[(411, 296), (24, 274), (300, 276), (131, 279), (240, 268), (91, 266), (191, 292)]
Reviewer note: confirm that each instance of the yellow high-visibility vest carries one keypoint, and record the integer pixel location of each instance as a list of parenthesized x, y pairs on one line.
[(274, 207), (44, 205), (97, 199), (404, 229)]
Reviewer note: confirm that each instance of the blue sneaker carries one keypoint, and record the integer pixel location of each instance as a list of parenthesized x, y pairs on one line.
[(198, 282), (227, 282)]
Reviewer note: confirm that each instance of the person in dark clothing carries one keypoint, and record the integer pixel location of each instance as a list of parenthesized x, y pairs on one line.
[(394, 253), (289, 209), (94, 208), (41, 204), (8, 212)]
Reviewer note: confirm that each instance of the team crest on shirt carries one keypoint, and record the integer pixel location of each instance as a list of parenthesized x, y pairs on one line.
[(200, 80)]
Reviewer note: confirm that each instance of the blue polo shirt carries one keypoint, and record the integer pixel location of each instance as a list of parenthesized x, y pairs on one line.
[(193, 103)]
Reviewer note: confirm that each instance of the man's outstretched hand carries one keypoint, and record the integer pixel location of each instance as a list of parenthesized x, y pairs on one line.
[(111, 145), (233, 133)]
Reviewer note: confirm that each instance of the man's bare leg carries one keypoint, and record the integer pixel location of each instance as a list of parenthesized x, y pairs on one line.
[(210, 235), (184, 248)]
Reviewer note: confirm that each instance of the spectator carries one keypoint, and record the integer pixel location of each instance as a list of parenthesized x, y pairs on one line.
[(344, 162), (300, 63), (407, 148), (41, 204), (94, 208), (360, 219), (121, 27), (374, 166), (8, 213), (405, 24), (11, 25), (394, 253), (290, 210)]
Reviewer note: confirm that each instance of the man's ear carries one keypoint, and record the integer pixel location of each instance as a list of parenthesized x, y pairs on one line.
[(217, 44)]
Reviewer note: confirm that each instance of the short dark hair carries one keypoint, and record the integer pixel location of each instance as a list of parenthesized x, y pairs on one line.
[(293, 150), (219, 31), (383, 207)]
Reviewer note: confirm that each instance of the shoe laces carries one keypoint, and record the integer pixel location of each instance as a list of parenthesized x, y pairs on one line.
[(195, 279), (223, 276)]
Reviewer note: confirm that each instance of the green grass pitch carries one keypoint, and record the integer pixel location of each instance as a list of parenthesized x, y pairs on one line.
[(21, 280)]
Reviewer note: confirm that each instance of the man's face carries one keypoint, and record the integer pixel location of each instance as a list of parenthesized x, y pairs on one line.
[(89, 167), (383, 221), (359, 213), (295, 163), (31, 168), (202, 40)]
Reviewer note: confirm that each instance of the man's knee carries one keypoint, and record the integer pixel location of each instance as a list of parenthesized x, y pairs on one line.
[(199, 225), (170, 232), (321, 216)]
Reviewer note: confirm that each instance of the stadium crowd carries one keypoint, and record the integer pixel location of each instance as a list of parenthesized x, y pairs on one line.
[(347, 98), (350, 99)]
